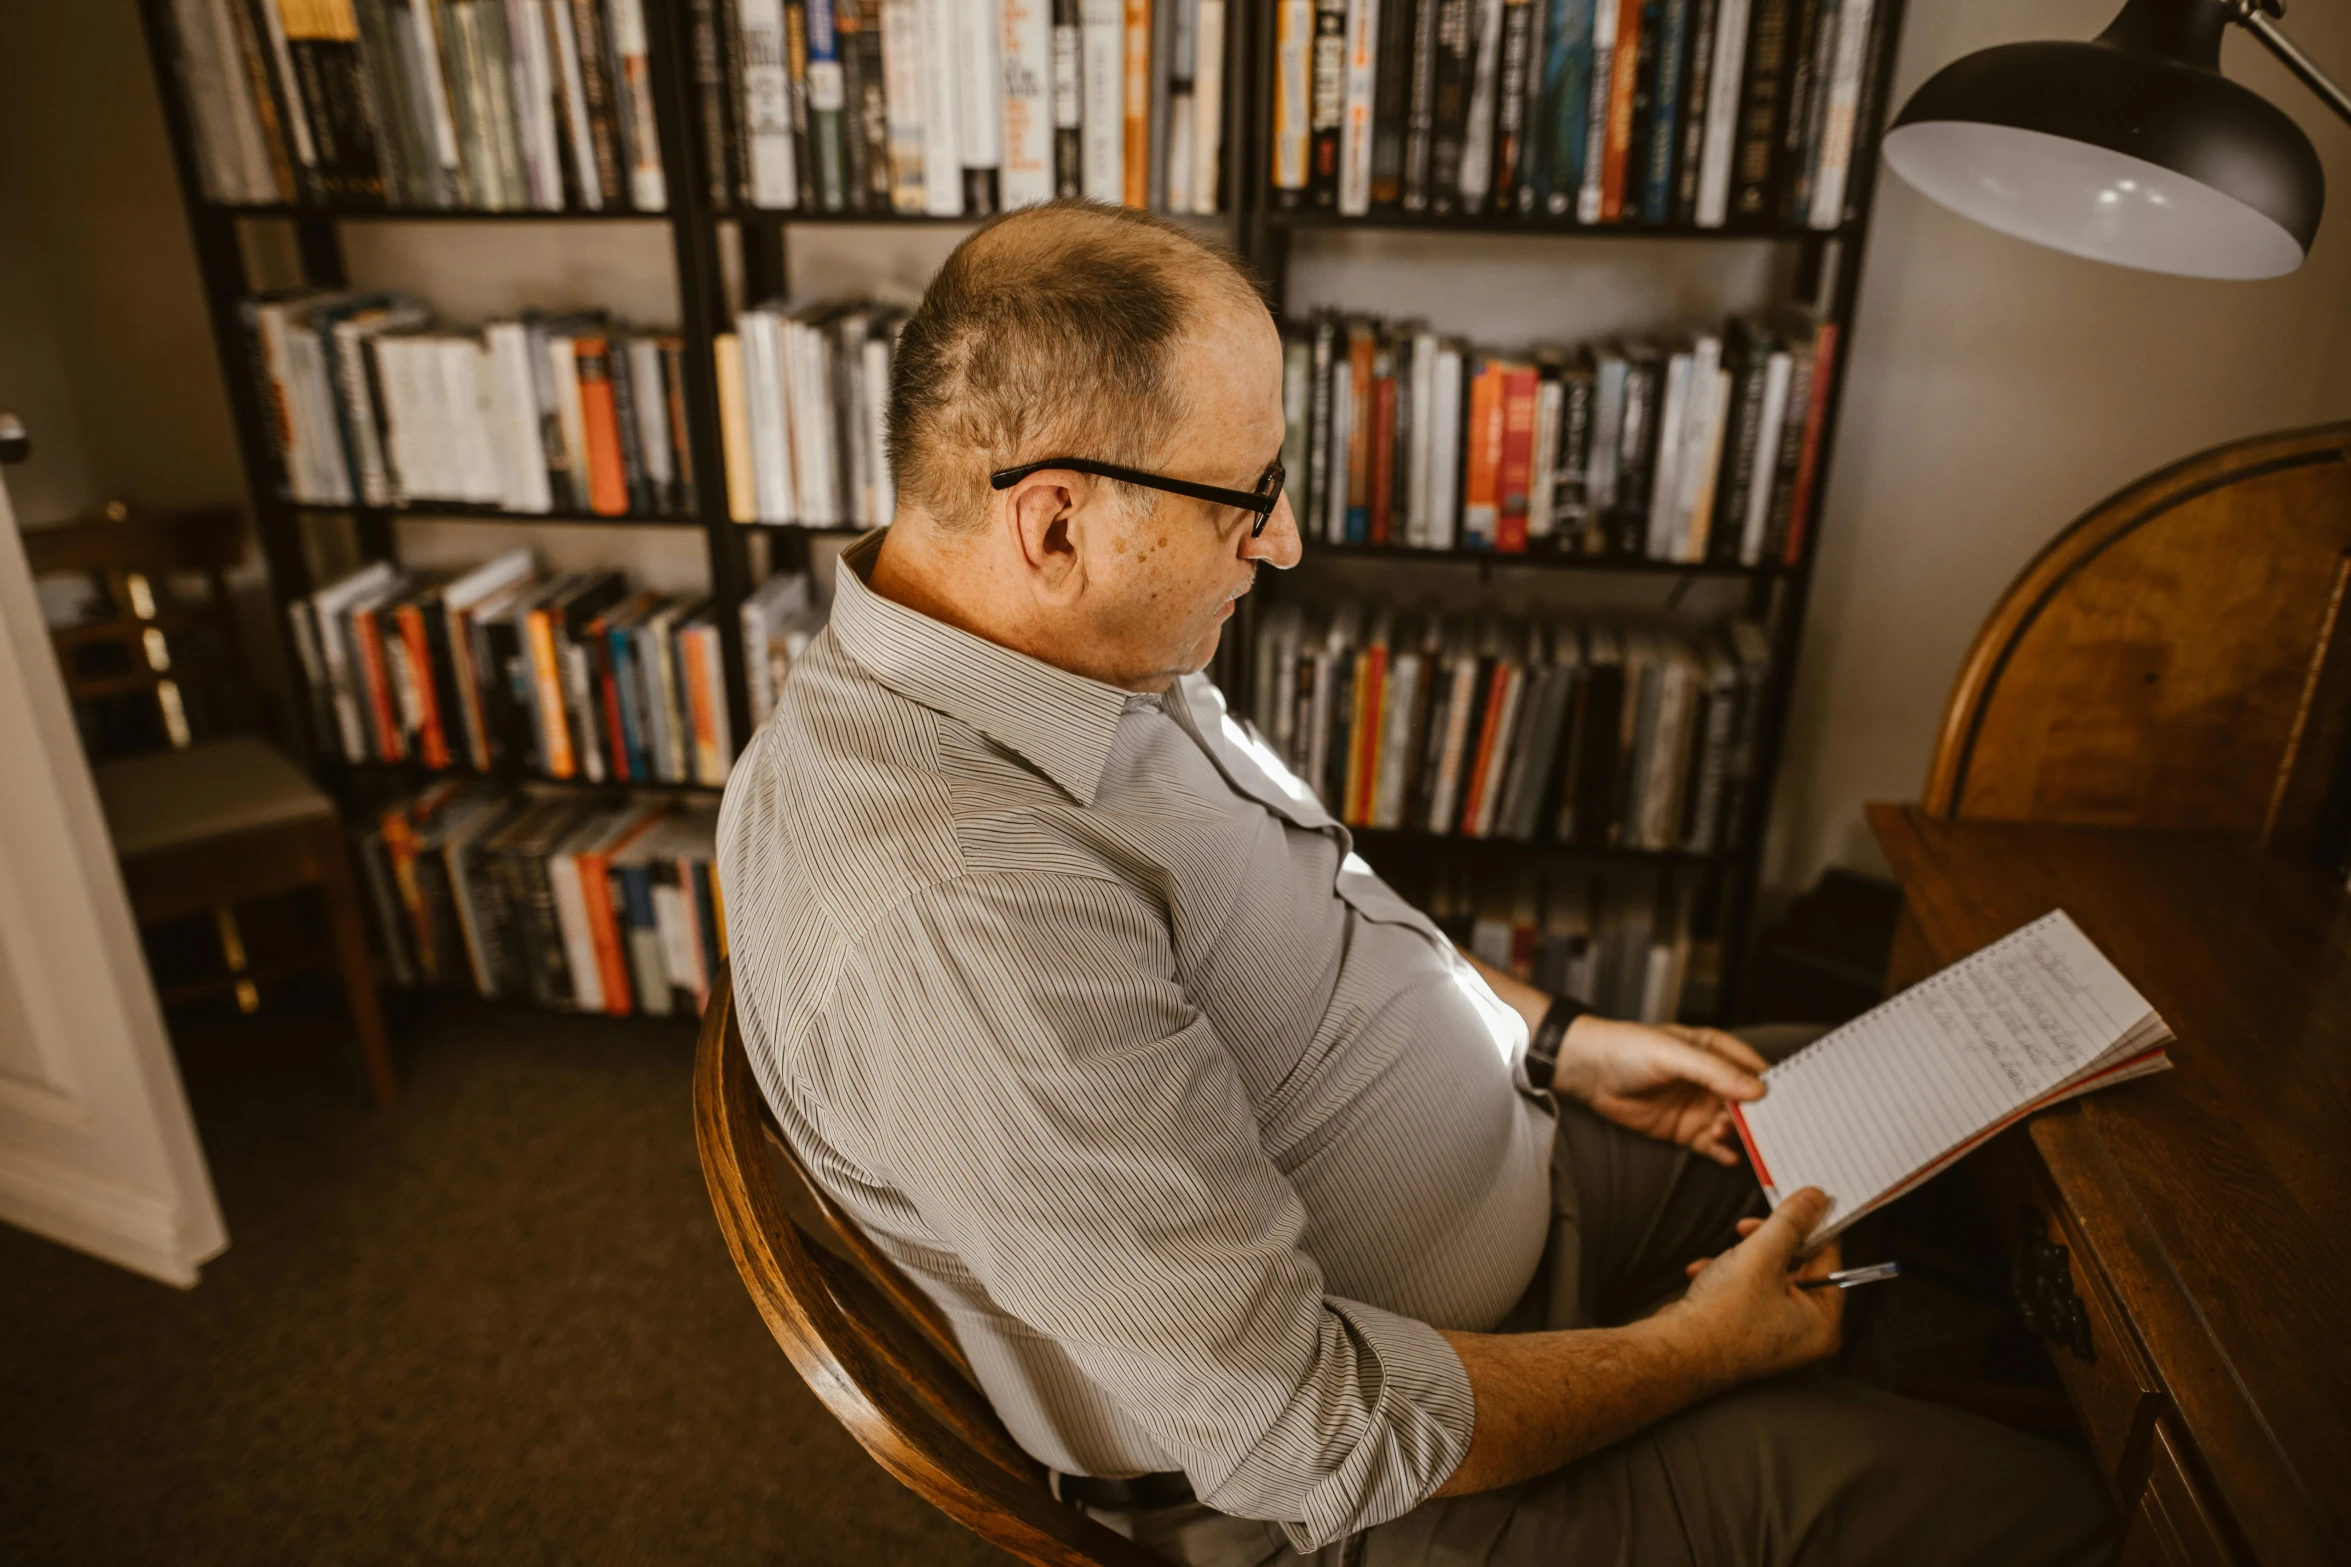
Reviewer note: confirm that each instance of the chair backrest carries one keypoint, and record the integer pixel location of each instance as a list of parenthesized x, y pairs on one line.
[(873, 1348), (149, 666), (2177, 658)]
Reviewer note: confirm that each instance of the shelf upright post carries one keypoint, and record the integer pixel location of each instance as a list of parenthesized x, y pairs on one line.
[(220, 265), (1843, 257), (693, 229)]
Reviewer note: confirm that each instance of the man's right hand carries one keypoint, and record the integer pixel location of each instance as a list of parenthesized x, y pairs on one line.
[(1747, 1316)]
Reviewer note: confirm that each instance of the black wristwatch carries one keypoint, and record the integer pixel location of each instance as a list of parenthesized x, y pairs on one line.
[(1543, 1049)]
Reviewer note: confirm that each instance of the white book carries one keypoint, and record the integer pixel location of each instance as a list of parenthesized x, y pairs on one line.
[(1872, 1109), (533, 70), (1363, 48), (575, 99), (1405, 671), (1844, 104), (1444, 465), (477, 414), (497, 423), (1697, 437), (1420, 500), (1102, 74), (1207, 105), (1717, 151), (632, 88), (1665, 475), (767, 104), (979, 91), (1543, 472), (648, 388), (1477, 148), (1706, 479), (1770, 422), (1027, 177), (571, 917), (1588, 195), (809, 394), (942, 116), (907, 78), (768, 414), (1182, 23), (518, 429), (884, 501)]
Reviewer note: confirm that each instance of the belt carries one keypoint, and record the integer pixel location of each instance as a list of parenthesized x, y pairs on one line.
[(1136, 1494)]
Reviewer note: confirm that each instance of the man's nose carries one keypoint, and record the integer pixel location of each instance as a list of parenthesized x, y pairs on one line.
[(1278, 546)]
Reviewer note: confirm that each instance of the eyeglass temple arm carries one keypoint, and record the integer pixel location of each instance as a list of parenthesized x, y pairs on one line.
[(2256, 17)]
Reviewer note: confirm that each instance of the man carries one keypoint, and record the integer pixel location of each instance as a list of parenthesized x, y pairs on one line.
[(1267, 1219)]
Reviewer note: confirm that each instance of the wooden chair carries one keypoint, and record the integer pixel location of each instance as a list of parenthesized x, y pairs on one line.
[(2177, 658), (873, 1348), (213, 819)]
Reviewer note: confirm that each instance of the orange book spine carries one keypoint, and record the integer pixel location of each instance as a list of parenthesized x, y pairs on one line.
[(391, 744), (1515, 477), (432, 738), (1623, 81), (707, 767), (1816, 415), (1480, 496), (611, 967), (547, 683), (1371, 702), (608, 485), (1473, 798), (1137, 103)]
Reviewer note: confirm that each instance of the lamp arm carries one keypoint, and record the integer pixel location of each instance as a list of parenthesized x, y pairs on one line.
[(2255, 16)]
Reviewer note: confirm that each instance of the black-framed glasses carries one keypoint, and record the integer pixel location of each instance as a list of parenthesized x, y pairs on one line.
[(1260, 501)]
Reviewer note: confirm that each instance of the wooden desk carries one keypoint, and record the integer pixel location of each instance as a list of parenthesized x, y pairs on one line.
[(2205, 1214)]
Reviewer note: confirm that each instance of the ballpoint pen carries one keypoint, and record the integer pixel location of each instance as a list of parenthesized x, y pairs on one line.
[(1848, 1277)]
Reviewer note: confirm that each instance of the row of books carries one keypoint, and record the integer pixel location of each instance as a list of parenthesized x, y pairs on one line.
[(1596, 733), (501, 105), (961, 108), (1689, 112), (514, 670), (803, 392), (582, 904), (1622, 942), (367, 402), (1699, 447)]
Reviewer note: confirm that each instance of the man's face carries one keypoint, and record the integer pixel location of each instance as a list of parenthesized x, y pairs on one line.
[(1172, 576)]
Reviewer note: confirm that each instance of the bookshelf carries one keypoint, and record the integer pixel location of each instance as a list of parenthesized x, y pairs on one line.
[(704, 235)]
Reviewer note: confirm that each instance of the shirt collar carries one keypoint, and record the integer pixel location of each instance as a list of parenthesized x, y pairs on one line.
[(1060, 723)]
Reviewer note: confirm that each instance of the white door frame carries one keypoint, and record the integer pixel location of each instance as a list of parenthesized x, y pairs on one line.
[(97, 1149)]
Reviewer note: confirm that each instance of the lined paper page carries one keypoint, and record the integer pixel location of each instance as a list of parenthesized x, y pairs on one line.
[(1894, 1090)]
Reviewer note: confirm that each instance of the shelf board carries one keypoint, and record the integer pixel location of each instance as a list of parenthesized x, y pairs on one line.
[(418, 774), (1377, 840), (347, 213), (830, 529), (462, 513), (1513, 223), (1600, 564)]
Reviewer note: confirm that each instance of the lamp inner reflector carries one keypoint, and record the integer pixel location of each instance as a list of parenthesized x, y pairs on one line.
[(2089, 201)]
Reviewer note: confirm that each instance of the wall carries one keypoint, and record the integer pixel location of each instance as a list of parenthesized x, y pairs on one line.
[(1998, 390)]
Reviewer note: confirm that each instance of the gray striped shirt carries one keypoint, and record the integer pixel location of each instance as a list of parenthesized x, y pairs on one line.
[(1084, 1008)]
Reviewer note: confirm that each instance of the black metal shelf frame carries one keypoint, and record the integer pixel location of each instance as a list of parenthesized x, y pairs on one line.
[(1829, 273)]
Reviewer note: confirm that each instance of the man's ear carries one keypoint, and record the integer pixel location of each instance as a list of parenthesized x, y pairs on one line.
[(1042, 512)]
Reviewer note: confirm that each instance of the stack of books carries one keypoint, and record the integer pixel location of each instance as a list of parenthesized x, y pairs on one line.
[(499, 105), (583, 904), (961, 108), (1619, 939), (1699, 447), (1592, 733), (1664, 112), (512, 670), (368, 403), (802, 396), (779, 620)]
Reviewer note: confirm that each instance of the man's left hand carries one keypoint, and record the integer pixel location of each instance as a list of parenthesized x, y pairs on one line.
[(1669, 1081)]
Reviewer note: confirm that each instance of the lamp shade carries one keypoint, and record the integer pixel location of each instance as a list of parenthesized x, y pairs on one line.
[(2133, 149)]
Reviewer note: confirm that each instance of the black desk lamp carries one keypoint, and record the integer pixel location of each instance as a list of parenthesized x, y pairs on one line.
[(2133, 149)]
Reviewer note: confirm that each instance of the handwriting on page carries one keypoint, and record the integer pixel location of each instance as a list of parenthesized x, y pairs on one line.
[(1888, 1094)]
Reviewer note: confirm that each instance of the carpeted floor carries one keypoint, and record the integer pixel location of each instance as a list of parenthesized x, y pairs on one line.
[(493, 1325)]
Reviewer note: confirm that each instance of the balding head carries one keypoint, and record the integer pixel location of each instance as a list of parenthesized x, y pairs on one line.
[(1050, 332)]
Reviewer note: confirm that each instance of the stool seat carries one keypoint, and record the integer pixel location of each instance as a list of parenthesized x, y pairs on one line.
[(214, 790)]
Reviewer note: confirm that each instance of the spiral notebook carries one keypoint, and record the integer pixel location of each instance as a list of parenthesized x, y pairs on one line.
[(1869, 1111)]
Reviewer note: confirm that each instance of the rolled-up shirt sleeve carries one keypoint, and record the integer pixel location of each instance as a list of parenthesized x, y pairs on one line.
[(1075, 1131)]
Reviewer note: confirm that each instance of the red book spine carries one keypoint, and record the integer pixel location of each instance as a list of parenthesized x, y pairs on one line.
[(391, 745), (432, 739), (608, 485), (1496, 689), (1816, 417), (1516, 477)]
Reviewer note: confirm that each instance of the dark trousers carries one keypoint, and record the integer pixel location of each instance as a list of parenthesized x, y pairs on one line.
[(1809, 1469)]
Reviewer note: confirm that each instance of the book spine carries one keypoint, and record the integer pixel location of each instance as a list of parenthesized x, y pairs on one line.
[(1476, 176), (1327, 101), (1761, 107), (1664, 139), (1420, 113), (1520, 26), (1827, 204), (979, 104), (596, 86), (771, 161), (1383, 456), (648, 181), (1355, 113), (1069, 99), (712, 119), (906, 75), (865, 92), (1592, 194), (1028, 103), (1722, 114), (1514, 467), (1208, 108), (1102, 70), (608, 490), (1456, 65), (1800, 505), (829, 126), (1481, 499), (1135, 104), (1697, 89)]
